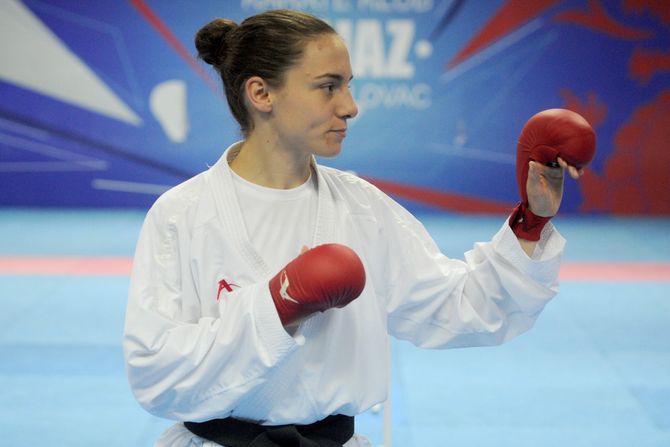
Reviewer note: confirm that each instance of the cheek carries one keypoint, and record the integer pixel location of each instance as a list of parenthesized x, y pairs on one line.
[(320, 117), (310, 122), (306, 116)]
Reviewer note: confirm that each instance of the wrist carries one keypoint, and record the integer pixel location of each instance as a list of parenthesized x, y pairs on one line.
[(525, 224)]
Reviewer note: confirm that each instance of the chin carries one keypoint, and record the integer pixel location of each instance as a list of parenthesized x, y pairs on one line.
[(329, 151)]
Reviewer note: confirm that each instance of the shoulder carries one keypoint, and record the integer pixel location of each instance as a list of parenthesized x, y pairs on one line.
[(363, 197), (350, 185), (181, 203)]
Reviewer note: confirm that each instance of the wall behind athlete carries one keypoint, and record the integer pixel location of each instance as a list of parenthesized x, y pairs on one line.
[(105, 105)]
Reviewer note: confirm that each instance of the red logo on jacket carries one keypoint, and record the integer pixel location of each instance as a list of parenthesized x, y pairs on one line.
[(224, 285)]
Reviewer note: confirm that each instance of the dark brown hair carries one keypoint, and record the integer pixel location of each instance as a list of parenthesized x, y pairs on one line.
[(265, 45)]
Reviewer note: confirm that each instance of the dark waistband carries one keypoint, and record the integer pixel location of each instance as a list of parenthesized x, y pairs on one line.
[(332, 431)]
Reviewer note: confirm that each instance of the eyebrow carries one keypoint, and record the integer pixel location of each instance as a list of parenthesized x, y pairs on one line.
[(335, 76)]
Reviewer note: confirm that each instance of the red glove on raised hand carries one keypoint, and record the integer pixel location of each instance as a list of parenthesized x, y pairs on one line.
[(329, 275), (547, 136)]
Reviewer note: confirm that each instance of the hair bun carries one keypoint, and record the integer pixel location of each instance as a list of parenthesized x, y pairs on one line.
[(210, 40)]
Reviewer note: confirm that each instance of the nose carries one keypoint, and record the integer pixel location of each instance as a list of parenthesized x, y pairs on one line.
[(348, 108)]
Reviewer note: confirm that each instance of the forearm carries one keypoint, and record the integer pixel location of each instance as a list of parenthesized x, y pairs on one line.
[(181, 370), (495, 295)]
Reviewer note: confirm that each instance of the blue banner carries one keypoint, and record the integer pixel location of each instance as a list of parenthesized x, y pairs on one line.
[(103, 103)]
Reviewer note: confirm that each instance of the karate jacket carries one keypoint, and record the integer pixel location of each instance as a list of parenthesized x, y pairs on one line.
[(203, 339)]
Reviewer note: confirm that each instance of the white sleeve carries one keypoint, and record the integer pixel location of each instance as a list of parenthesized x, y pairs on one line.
[(183, 366), (493, 295)]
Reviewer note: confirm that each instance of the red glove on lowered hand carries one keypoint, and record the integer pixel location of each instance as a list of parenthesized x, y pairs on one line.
[(546, 136), (327, 276)]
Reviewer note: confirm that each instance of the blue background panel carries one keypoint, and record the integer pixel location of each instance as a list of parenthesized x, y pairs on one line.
[(443, 87)]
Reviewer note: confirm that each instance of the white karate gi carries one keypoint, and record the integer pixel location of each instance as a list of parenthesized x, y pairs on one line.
[(196, 350)]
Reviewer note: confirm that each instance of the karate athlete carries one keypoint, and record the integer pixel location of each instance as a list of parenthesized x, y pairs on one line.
[(264, 290)]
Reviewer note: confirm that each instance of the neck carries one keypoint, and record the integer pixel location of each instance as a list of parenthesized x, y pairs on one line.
[(266, 163)]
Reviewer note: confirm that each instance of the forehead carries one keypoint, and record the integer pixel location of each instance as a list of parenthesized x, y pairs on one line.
[(324, 54)]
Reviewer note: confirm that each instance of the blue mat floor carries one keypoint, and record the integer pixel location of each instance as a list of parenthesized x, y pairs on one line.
[(595, 370)]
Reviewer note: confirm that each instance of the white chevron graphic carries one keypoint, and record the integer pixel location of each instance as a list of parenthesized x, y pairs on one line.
[(35, 58)]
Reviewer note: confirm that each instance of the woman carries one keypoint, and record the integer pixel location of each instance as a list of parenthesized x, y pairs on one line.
[(216, 329)]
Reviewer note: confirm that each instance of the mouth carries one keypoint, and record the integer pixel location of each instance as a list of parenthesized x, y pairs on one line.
[(340, 132)]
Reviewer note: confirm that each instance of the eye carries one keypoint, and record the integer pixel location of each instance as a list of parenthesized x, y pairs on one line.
[(330, 87)]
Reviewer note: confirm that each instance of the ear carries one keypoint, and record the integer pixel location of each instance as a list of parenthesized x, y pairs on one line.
[(258, 94)]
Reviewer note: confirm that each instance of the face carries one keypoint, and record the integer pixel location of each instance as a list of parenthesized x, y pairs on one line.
[(310, 110)]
